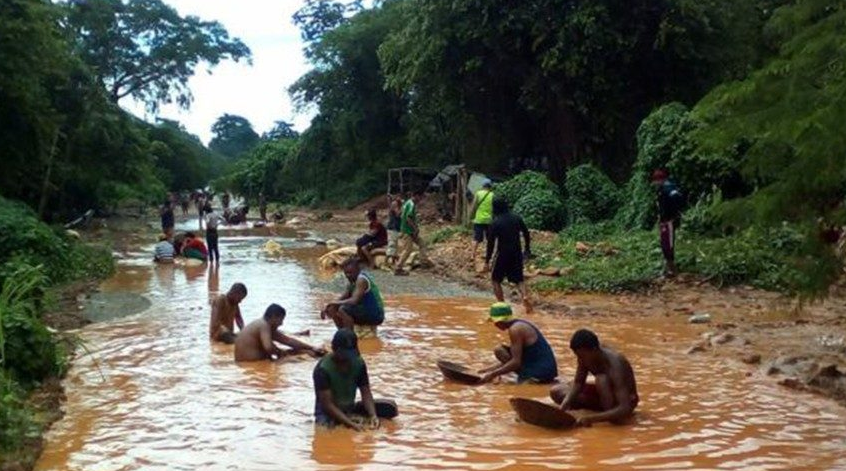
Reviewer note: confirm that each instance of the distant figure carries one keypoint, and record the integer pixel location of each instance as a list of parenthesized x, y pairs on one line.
[(504, 234), (393, 227), (255, 342), (613, 394), (376, 237), (193, 247), (670, 206), (164, 251), (224, 200), (361, 303), (337, 377), (262, 202), (482, 214), (184, 202), (529, 354), (168, 219), (201, 206), (226, 313), (212, 221), (410, 232)]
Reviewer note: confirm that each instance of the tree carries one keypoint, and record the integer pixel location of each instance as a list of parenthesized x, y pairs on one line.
[(182, 161), (317, 17), (145, 50), (233, 136), (281, 130)]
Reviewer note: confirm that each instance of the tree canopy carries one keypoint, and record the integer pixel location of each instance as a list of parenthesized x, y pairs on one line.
[(233, 136)]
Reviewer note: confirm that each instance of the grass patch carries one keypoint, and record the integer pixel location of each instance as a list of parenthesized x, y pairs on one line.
[(446, 233)]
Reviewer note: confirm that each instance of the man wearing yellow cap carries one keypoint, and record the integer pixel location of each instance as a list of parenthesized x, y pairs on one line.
[(529, 354)]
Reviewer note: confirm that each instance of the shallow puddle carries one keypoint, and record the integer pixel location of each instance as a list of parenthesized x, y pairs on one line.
[(155, 394)]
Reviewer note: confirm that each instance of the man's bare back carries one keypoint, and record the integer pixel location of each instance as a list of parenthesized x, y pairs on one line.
[(248, 344), (223, 316)]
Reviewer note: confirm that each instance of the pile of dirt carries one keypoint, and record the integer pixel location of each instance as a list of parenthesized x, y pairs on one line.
[(378, 202)]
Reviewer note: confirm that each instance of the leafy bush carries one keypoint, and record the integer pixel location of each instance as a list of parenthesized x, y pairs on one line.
[(28, 351), (542, 210), (591, 195), (523, 184), (16, 420)]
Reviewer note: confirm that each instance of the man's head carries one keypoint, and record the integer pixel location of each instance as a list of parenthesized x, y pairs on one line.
[(501, 315), (487, 184), (371, 214), (500, 206), (237, 293), (659, 176), (274, 315), (585, 344), (344, 347), (418, 195), (352, 268)]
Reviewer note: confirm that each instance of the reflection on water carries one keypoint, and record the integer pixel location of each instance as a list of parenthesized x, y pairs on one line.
[(159, 396)]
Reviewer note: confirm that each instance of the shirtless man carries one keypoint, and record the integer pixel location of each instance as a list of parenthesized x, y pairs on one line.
[(255, 342), (613, 395), (225, 313)]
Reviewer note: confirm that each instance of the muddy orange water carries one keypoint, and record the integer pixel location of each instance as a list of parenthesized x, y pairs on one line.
[(156, 395)]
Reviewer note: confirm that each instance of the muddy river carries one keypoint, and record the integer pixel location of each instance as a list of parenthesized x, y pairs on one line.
[(155, 395)]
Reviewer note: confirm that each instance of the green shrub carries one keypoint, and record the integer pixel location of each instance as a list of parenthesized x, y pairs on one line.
[(16, 420), (28, 351), (523, 184), (542, 210), (591, 195)]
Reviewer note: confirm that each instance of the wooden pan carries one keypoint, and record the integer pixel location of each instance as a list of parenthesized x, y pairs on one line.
[(458, 373), (541, 414)]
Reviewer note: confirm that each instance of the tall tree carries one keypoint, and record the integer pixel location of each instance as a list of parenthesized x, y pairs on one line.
[(233, 136), (145, 50), (281, 130)]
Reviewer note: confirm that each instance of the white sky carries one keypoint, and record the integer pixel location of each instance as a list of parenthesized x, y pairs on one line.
[(258, 93)]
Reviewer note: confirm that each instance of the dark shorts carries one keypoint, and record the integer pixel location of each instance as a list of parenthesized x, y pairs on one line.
[(511, 268), (480, 232), (363, 315), (368, 240)]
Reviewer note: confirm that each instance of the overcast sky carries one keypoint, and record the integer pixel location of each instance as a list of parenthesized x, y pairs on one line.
[(257, 92)]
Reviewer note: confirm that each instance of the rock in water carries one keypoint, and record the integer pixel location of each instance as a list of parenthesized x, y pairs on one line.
[(700, 319)]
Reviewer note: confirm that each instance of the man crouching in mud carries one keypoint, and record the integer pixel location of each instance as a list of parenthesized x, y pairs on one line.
[(613, 394), (226, 313), (255, 342)]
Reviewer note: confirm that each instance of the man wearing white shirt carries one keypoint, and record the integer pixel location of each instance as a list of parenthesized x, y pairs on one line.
[(213, 219)]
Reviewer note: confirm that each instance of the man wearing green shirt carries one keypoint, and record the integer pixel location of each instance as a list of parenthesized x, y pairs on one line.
[(482, 214), (409, 232)]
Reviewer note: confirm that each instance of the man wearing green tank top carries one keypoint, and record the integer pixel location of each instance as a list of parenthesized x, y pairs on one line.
[(361, 303)]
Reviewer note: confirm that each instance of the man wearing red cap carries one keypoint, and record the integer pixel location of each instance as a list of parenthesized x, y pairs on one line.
[(670, 205)]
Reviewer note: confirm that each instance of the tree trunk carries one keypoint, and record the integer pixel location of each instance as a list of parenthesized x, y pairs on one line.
[(45, 184)]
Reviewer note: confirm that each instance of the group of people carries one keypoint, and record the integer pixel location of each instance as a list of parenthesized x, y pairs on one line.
[(399, 238), (188, 244)]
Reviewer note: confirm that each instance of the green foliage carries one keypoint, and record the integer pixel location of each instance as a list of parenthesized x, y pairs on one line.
[(16, 419), (28, 351), (525, 183), (591, 195), (182, 161), (542, 210), (631, 260), (446, 233), (233, 136), (145, 50), (270, 168)]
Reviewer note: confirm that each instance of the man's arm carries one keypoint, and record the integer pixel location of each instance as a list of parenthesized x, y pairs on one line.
[(358, 293), (238, 319), (576, 388), (527, 236), (369, 405), (622, 399), (324, 396), (267, 343), (493, 236), (518, 338), (214, 322), (295, 343)]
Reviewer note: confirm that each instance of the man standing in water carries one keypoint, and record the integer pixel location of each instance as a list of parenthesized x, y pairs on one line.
[(212, 221), (482, 215), (225, 313), (255, 342), (613, 394), (168, 219), (361, 303), (529, 354), (262, 204), (336, 378), (505, 236), (409, 232), (670, 205)]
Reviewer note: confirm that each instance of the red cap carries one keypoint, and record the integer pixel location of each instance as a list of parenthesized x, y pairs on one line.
[(659, 174)]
